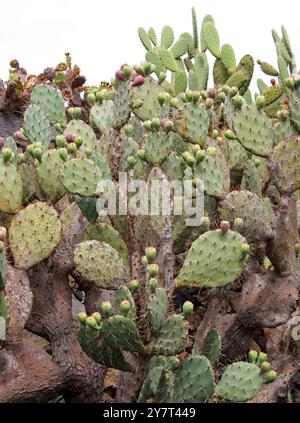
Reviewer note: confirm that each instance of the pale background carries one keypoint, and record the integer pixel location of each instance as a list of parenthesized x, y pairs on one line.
[(101, 35)]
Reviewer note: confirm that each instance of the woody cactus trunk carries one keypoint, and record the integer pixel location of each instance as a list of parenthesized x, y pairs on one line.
[(158, 299)]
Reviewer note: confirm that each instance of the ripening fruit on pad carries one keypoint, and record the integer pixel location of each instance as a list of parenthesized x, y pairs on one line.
[(214, 259), (33, 234)]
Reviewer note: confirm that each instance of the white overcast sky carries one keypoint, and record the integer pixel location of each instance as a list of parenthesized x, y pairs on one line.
[(102, 34)]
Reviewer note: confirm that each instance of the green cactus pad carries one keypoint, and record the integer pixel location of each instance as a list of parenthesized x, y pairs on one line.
[(214, 260), (30, 183), (81, 176), (154, 58), (148, 92), (88, 206), (179, 48), (158, 307), (167, 37), (11, 188), (105, 233), (271, 94), (195, 123), (120, 332), (211, 38), (171, 337), (173, 167), (12, 145), (228, 56), (37, 126), (251, 179), (102, 115), (241, 78), (194, 381), (152, 35), (122, 104), (287, 156), (268, 69), (34, 233), (220, 73), (237, 155), (240, 382), (2, 269), (48, 172), (249, 207), (81, 130), (168, 60), (295, 108), (158, 146), (150, 384), (215, 179), (145, 40), (212, 347), (254, 130), (51, 101), (283, 130), (99, 264)]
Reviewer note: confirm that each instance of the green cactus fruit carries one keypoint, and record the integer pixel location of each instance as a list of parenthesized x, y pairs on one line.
[(134, 285), (81, 176), (252, 356), (48, 172), (187, 309), (11, 188), (158, 307), (254, 130), (211, 38), (37, 126), (100, 264), (153, 270), (270, 376), (34, 233), (125, 307), (51, 102), (105, 233), (82, 317), (124, 294), (150, 254), (106, 308), (194, 381), (119, 332), (153, 284), (213, 260), (240, 382), (171, 337)]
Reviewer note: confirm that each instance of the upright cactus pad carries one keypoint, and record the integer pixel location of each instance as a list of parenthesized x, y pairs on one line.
[(121, 332), (34, 233), (158, 305), (240, 382), (49, 178), (254, 130), (171, 337), (51, 101), (214, 259), (11, 188), (212, 347), (81, 130), (100, 264), (122, 104), (194, 381), (287, 157), (37, 126), (81, 176), (158, 146), (148, 93), (251, 209), (195, 123), (102, 115)]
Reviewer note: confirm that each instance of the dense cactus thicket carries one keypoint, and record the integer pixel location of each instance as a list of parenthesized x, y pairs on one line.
[(128, 306)]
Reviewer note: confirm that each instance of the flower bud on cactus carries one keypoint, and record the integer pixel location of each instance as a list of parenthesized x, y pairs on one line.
[(209, 102), (221, 96), (270, 376), (78, 142), (137, 103), (257, 162), (127, 71), (120, 76), (238, 223), (196, 182), (245, 250), (77, 112), (125, 307), (97, 316), (152, 269), (91, 98), (1, 142), (63, 154), (238, 101), (260, 101), (167, 124), (1, 246), (155, 124), (215, 134), (265, 366), (163, 98), (212, 151), (72, 149), (229, 134), (60, 141), (147, 67), (195, 97), (3, 233), (138, 81), (261, 358), (7, 154), (144, 261), (200, 156), (204, 94), (252, 356), (82, 317), (58, 127), (139, 69), (142, 155), (174, 102), (106, 308), (37, 153), (188, 158), (128, 129), (187, 309), (224, 226), (189, 95), (148, 125), (162, 77), (150, 254), (134, 285), (91, 322), (70, 138), (297, 248), (131, 161), (153, 284)]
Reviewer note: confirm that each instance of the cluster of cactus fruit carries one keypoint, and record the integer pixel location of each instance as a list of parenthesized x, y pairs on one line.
[(243, 150)]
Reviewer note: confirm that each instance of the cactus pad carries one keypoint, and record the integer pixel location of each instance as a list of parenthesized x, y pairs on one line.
[(11, 188), (287, 156), (51, 101), (121, 332), (81, 176), (49, 178), (37, 126)]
